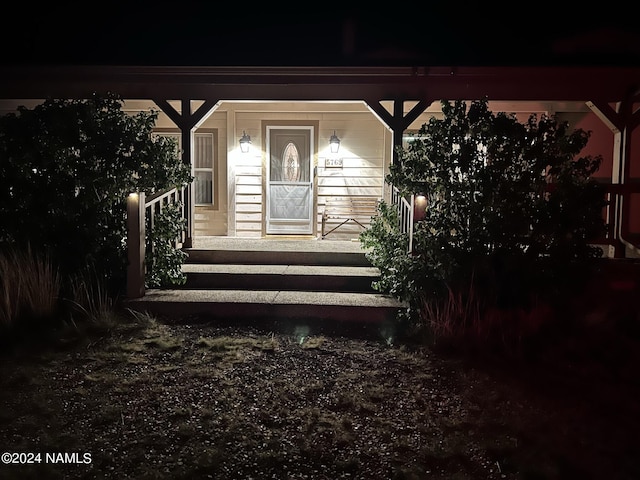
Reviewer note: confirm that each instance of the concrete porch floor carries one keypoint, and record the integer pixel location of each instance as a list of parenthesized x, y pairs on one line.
[(277, 243)]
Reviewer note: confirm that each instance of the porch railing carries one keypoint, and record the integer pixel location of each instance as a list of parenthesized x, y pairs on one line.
[(141, 215), (405, 208), (616, 215)]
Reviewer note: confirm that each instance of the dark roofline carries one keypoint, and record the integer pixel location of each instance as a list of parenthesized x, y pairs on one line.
[(601, 83)]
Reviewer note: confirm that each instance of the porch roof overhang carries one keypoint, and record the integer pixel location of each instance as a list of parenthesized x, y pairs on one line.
[(552, 83)]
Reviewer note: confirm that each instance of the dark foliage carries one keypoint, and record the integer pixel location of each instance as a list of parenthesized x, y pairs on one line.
[(67, 167), (511, 210)]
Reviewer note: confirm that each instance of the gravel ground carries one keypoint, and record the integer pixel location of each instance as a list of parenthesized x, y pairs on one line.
[(189, 401)]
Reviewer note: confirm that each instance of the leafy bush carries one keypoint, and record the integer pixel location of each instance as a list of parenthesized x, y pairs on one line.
[(511, 211), (67, 168), (163, 260)]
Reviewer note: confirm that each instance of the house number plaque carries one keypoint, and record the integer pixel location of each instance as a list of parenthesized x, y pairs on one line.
[(333, 162)]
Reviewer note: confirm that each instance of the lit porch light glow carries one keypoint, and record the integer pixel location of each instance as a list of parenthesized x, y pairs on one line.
[(334, 143), (419, 206)]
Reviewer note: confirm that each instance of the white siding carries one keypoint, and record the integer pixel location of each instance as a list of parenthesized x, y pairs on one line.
[(248, 184), (365, 153), (213, 220), (364, 150)]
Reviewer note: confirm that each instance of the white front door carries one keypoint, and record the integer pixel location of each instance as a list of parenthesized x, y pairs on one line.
[(289, 188)]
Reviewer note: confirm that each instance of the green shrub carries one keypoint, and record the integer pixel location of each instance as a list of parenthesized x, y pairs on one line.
[(67, 168), (163, 260), (511, 209)]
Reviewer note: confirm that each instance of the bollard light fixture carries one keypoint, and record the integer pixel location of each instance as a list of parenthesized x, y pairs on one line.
[(419, 206)]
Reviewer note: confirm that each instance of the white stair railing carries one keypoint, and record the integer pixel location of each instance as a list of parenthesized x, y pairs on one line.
[(141, 212), (405, 209)]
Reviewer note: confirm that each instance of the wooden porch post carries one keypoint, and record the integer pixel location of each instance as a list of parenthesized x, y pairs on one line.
[(135, 245), (398, 121), (622, 124), (189, 207), (631, 122), (188, 122)]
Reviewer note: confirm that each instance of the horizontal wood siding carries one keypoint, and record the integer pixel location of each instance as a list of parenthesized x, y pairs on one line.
[(208, 222), (248, 183), (364, 150)]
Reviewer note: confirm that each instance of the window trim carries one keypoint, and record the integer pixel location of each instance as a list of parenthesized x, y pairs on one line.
[(214, 167)]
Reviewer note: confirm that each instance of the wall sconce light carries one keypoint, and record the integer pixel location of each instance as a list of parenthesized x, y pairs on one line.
[(334, 143), (245, 141)]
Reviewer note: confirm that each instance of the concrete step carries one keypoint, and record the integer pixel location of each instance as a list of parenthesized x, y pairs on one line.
[(235, 279), (276, 257), (268, 305), (281, 277)]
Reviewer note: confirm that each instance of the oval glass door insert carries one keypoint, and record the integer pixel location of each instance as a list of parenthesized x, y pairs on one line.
[(290, 163)]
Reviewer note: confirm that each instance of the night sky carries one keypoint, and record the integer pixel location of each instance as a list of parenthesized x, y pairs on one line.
[(327, 34)]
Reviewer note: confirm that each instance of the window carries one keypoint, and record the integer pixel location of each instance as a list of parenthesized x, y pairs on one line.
[(203, 163), (409, 136)]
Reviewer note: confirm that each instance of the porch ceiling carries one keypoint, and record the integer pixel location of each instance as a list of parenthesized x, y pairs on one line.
[(602, 83)]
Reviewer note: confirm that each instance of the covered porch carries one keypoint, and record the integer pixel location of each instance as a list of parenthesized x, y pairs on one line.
[(370, 109)]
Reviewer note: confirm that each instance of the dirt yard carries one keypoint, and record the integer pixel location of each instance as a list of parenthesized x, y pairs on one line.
[(154, 400)]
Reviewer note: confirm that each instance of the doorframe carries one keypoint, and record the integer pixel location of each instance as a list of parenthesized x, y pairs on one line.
[(313, 125)]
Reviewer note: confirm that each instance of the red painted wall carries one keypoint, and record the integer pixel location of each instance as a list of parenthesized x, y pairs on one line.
[(600, 143)]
